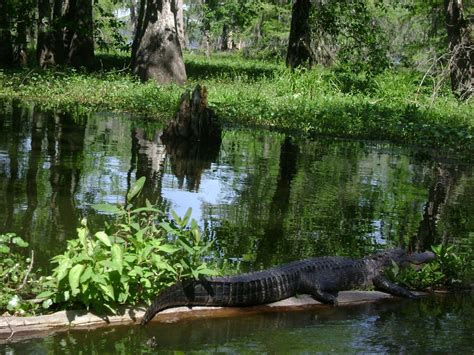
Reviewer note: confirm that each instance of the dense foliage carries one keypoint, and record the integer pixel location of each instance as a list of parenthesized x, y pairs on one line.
[(127, 263)]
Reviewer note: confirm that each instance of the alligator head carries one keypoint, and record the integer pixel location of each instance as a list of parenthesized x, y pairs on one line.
[(401, 257)]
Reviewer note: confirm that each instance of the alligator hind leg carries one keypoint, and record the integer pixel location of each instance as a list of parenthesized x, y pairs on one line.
[(309, 286), (383, 284)]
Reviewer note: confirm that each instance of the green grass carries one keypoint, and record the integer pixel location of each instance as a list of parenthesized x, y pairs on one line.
[(391, 106)]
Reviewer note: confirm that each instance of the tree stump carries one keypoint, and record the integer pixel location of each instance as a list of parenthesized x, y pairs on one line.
[(194, 121), (193, 138)]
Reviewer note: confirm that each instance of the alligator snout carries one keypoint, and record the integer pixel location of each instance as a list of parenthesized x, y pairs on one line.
[(421, 258)]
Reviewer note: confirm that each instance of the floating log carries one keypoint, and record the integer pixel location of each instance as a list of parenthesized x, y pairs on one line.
[(13, 329)]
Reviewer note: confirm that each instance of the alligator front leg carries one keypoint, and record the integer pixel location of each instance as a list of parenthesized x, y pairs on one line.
[(311, 287), (383, 284)]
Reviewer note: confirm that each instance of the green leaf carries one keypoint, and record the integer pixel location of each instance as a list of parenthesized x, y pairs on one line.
[(108, 290), (47, 303), (4, 249), (86, 275), (117, 257), (20, 242), (186, 247), (82, 235), (186, 217), (62, 269), (147, 209), (45, 294), (176, 217), (204, 270), (196, 234), (107, 208), (136, 188), (168, 248), (104, 238), (148, 203), (74, 275), (167, 227)]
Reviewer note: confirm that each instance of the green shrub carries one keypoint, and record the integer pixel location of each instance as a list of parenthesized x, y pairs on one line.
[(16, 277), (129, 262), (448, 270)]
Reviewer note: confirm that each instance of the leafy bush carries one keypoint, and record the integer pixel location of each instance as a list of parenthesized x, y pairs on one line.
[(129, 262), (16, 277), (447, 270)]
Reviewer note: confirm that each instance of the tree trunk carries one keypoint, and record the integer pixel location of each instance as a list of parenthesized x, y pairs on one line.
[(20, 47), (133, 15), (59, 31), (299, 46), (80, 42), (180, 24), (226, 38), (461, 47), (45, 47), (6, 48), (157, 53)]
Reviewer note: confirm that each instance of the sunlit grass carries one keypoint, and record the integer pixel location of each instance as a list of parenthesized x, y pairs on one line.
[(391, 106)]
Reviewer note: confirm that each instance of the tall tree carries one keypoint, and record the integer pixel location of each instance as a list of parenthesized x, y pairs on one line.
[(156, 51), (6, 48), (461, 65), (79, 33), (65, 33), (299, 46), (180, 23), (45, 45)]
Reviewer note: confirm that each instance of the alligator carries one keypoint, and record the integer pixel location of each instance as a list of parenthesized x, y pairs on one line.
[(321, 277)]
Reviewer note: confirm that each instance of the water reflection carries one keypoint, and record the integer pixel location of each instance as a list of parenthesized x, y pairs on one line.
[(264, 198), (189, 159), (441, 324)]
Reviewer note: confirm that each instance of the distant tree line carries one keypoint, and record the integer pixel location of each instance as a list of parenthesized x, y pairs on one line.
[(356, 35)]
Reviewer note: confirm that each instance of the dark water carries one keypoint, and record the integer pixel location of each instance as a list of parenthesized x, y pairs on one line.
[(263, 197), (438, 324)]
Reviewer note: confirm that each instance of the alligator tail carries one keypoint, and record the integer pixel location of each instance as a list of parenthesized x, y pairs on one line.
[(170, 297)]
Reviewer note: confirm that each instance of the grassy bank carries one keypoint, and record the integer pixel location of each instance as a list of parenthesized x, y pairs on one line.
[(391, 106)]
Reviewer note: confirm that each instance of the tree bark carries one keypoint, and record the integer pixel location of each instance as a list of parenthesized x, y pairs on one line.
[(80, 43), (156, 51), (226, 38), (45, 47), (299, 46), (180, 24), (20, 48), (461, 65), (6, 48)]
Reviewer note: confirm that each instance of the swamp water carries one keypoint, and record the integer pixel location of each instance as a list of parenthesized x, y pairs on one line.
[(263, 198)]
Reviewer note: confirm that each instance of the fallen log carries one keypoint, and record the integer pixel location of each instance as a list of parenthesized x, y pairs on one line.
[(13, 329)]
